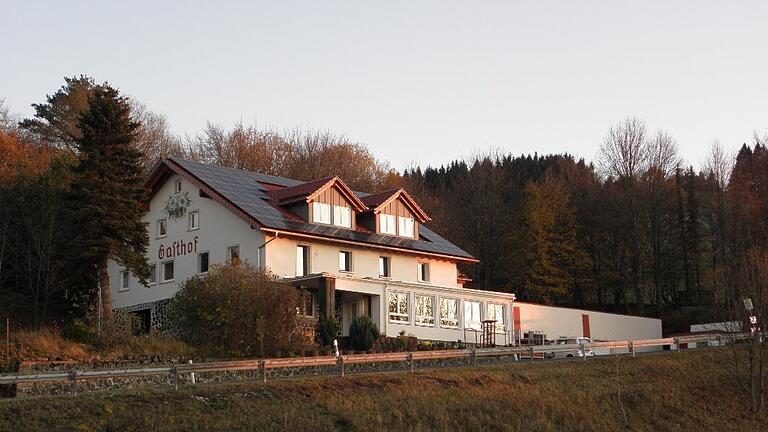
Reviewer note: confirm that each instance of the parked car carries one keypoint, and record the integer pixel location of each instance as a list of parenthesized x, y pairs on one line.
[(573, 349)]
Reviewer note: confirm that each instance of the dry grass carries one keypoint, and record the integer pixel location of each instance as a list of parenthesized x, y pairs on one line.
[(49, 344), (686, 392)]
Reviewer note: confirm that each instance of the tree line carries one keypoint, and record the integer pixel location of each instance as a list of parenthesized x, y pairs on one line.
[(638, 232)]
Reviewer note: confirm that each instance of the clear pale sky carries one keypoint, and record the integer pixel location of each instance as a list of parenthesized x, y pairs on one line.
[(417, 81)]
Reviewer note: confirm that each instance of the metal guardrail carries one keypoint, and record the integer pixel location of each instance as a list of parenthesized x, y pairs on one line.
[(519, 352)]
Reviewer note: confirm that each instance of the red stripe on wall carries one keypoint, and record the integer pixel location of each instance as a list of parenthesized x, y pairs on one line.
[(516, 318), (585, 325)]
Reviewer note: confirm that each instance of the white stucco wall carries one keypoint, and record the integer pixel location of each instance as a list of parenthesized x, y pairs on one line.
[(281, 260), (219, 229)]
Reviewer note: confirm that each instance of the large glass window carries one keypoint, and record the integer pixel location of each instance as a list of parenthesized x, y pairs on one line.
[(321, 212), (302, 260), (424, 310), (449, 313), (398, 307), (387, 224), (384, 266), (472, 315), (405, 226), (496, 312), (342, 216)]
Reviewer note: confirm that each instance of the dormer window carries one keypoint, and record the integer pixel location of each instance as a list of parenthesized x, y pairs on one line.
[(321, 213), (326, 201), (405, 226), (396, 213), (342, 216), (387, 224)]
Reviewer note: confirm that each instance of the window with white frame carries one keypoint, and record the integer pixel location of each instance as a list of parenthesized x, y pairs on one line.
[(472, 315), (321, 212), (387, 224), (302, 260), (152, 274), (125, 281), (261, 259), (342, 216), (203, 262), (194, 220), (423, 269), (405, 226), (162, 228), (167, 268), (449, 313), (496, 312), (233, 254), (345, 261), (398, 307), (424, 310), (384, 266)]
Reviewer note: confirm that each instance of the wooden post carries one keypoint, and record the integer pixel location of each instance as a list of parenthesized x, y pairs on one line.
[(175, 374), (530, 350), (263, 365), (410, 360), (341, 363), (632, 347), (474, 357)]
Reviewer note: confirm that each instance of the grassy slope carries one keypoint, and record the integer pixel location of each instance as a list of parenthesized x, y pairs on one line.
[(687, 391)]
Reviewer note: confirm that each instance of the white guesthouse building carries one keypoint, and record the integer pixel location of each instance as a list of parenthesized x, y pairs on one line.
[(355, 254)]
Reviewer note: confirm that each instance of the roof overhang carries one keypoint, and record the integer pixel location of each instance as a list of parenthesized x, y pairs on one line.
[(409, 202)]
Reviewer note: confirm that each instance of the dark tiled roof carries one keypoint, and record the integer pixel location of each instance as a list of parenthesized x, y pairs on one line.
[(301, 190), (374, 200), (244, 190)]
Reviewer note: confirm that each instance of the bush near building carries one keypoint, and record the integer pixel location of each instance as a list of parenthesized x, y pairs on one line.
[(238, 310), (362, 333)]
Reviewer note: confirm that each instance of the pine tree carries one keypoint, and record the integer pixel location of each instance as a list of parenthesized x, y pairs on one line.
[(107, 193)]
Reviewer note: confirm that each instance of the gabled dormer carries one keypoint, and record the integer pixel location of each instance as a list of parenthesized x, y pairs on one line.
[(326, 201), (394, 212)]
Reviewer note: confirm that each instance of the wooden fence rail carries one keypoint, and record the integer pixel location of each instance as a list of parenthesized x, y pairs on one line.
[(343, 361)]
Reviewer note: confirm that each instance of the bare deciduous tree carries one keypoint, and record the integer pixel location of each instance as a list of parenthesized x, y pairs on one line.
[(748, 360), (719, 164), (624, 152)]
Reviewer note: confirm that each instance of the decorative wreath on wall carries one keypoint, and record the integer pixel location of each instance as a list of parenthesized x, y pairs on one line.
[(177, 204)]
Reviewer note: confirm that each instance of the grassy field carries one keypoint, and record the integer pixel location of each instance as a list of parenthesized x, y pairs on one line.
[(689, 391)]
